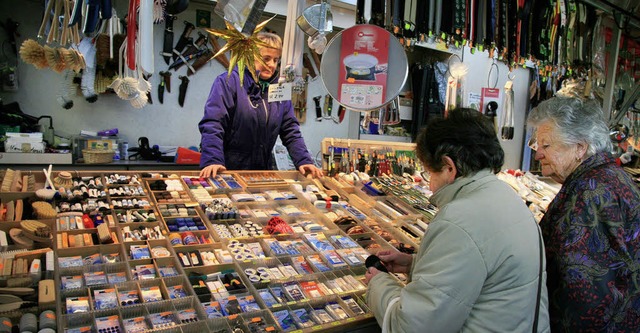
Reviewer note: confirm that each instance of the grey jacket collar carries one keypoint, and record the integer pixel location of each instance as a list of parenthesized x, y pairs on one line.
[(447, 193)]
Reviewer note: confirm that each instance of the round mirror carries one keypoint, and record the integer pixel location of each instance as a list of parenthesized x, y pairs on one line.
[(364, 67)]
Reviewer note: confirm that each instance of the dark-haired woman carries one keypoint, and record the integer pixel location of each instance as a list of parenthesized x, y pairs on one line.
[(478, 268)]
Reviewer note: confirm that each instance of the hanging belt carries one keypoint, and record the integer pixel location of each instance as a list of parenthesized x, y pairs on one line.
[(555, 25), (491, 22), (519, 12), (438, 15), (481, 19), (421, 18), (571, 33), (432, 14), (512, 20), (581, 30), (473, 14), (448, 9), (499, 27), (459, 19), (504, 19)]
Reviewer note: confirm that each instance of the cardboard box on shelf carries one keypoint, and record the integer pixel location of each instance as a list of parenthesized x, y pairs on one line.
[(24, 143)]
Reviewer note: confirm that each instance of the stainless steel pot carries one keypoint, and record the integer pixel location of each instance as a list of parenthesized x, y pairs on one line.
[(316, 19)]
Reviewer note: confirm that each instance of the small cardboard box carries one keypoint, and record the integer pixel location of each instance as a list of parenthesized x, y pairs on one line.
[(24, 143)]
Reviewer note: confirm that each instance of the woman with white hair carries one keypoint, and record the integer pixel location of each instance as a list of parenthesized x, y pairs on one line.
[(591, 229)]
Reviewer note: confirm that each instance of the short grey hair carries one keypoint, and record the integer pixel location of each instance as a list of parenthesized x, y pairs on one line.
[(271, 39), (576, 121)]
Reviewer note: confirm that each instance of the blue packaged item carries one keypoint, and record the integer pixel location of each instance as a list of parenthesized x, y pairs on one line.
[(267, 297), (284, 320)]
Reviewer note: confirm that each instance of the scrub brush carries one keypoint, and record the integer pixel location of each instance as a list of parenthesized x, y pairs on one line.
[(33, 53), (66, 88), (55, 59), (73, 59)]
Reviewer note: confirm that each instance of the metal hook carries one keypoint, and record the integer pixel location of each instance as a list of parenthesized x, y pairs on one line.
[(493, 65), (449, 64), (511, 77)]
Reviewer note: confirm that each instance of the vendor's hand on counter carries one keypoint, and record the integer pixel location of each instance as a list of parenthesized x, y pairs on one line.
[(310, 169), (212, 170)]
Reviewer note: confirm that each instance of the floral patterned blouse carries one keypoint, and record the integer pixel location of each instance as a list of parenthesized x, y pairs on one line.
[(592, 237)]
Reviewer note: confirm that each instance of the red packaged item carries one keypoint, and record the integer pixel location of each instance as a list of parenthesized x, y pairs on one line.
[(277, 226), (87, 222)]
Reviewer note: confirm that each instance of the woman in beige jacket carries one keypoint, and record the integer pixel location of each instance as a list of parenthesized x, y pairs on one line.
[(480, 266)]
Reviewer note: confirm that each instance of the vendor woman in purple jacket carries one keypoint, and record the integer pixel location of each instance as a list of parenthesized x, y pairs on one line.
[(240, 127)]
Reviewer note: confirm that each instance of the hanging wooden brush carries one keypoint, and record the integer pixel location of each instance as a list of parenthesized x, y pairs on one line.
[(115, 85), (45, 19), (54, 58), (54, 30), (73, 59), (158, 11), (33, 53)]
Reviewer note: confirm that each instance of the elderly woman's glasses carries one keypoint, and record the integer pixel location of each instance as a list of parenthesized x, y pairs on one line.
[(533, 142), (424, 175)]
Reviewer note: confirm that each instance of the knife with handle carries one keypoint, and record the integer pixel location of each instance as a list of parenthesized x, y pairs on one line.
[(318, 108), (167, 47), (341, 112), (183, 90), (184, 39), (328, 105)]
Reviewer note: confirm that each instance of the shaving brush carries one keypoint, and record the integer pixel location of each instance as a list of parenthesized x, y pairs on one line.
[(33, 53)]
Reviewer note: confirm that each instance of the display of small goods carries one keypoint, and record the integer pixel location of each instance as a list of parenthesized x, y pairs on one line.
[(371, 162), (254, 179), (273, 251)]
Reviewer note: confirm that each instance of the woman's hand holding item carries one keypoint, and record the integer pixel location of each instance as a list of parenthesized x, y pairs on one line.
[(212, 170), (371, 272), (310, 169), (396, 261)]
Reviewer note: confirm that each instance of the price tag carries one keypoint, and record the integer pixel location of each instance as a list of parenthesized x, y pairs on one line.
[(279, 92)]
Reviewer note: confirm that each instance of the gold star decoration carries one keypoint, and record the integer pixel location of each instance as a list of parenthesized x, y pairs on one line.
[(245, 50)]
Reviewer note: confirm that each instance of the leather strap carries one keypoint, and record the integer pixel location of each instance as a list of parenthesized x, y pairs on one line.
[(537, 311)]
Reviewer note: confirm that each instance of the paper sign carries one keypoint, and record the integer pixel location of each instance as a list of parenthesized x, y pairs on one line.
[(363, 65), (474, 100), (280, 92)]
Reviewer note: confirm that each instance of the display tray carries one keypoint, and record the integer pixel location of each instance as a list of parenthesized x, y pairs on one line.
[(183, 270)]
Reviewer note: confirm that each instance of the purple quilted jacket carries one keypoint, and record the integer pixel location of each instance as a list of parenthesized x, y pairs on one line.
[(239, 127)]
